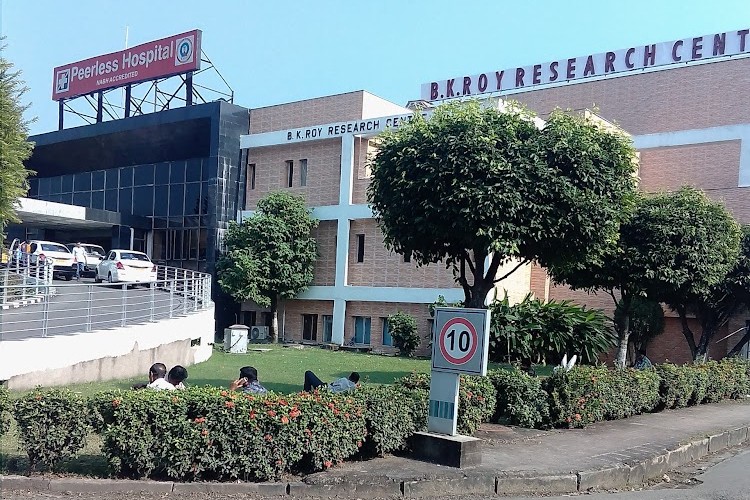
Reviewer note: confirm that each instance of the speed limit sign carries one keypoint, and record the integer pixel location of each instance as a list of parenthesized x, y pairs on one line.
[(461, 340)]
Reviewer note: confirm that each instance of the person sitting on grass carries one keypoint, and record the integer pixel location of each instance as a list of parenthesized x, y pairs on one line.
[(156, 379), (344, 384), (248, 381), (176, 375)]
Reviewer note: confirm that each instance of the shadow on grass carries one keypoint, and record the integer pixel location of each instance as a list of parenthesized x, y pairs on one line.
[(90, 465)]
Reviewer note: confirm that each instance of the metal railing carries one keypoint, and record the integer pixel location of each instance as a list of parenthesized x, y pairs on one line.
[(83, 307), (21, 279)]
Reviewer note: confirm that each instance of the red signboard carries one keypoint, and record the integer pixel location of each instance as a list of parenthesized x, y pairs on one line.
[(166, 57)]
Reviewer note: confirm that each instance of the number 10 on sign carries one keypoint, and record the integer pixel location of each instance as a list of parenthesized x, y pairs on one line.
[(461, 339)]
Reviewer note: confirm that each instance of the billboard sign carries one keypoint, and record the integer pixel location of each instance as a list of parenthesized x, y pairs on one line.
[(161, 58), (675, 52)]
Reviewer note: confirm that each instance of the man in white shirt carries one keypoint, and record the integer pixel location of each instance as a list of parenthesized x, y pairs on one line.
[(79, 258), (156, 378)]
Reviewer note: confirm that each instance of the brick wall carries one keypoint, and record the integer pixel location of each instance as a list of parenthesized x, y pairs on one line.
[(271, 171), (676, 99), (294, 309), (384, 268), (318, 111), (378, 310), (325, 266)]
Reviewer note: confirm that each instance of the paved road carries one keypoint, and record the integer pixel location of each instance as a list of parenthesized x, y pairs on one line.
[(69, 310)]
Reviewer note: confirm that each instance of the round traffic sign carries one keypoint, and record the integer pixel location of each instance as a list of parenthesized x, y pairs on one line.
[(458, 341)]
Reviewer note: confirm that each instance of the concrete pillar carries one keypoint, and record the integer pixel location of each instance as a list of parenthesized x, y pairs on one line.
[(339, 321)]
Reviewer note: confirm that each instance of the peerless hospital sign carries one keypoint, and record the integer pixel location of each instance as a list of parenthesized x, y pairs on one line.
[(166, 57), (730, 43)]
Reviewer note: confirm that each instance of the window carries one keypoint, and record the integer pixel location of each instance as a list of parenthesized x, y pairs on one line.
[(289, 173), (407, 257), (327, 328), (387, 339), (362, 329), (303, 172), (251, 175), (310, 327), (360, 248)]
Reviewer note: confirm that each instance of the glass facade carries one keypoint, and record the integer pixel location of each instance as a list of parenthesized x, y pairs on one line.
[(174, 195)]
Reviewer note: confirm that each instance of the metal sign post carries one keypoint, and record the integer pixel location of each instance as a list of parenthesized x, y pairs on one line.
[(460, 346)]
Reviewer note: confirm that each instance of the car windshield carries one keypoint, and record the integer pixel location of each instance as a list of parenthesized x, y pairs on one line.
[(134, 256), (94, 250), (53, 247)]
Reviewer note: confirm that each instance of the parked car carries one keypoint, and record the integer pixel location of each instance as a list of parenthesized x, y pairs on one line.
[(56, 254), (94, 255), (126, 266)]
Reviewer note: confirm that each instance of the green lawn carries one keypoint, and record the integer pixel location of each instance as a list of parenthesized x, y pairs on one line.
[(282, 369)]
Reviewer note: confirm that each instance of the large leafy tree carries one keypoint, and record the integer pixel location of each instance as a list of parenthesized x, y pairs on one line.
[(692, 244), (475, 187), (673, 248), (270, 255), (713, 307), (14, 146)]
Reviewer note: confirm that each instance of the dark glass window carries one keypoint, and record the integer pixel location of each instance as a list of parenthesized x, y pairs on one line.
[(176, 199), (360, 248), (193, 170), (205, 190), (97, 180), (55, 185), (209, 170), (44, 186), (193, 221), (161, 200), (110, 200), (310, 327), (162, 173), (177, 172), (33, 187), (175, 222), (192, 198), (67, 184), (143, 175), (82, 182), (82, 199), (112, 176), (302, 172), (97, 199), (126, 177), (65, 198), (126, 200), (143, 200), (160, 222), (251, 175), (290, 173)]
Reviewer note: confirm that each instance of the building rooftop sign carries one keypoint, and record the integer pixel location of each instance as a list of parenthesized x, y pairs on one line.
[(686, 50), (161, 58)]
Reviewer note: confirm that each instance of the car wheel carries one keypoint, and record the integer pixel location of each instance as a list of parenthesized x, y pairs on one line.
[(109, 278), (97, 278)]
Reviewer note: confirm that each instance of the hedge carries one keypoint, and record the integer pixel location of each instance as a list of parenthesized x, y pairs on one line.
[(214, 434), (5, 407)]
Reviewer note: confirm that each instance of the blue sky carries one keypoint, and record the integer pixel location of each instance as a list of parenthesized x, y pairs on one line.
[(278, 51)]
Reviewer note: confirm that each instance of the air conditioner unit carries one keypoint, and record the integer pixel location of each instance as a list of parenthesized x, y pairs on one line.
[(258, 333)]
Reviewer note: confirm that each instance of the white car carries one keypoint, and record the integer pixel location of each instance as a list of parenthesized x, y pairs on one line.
[(126, 266), (55, 253), (94, 255)]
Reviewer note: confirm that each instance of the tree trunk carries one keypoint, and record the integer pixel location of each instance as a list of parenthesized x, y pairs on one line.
[(484, 281), (624, 338), (686, 331), (736, 349), (274, 319), (701, 350)]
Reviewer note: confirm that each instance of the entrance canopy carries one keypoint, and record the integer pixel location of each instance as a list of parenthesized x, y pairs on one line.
[(50, 215)]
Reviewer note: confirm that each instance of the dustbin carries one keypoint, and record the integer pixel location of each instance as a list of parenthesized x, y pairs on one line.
[(235, 339)]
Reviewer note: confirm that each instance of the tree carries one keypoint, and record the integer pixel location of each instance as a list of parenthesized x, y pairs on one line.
[(692, 244), (645, 321), (270, 256), (403, 329), (714, 307), (14, 146), (673, 247), (477, 187)]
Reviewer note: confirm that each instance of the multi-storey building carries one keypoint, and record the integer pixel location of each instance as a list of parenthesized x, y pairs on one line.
[(690, 124)]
